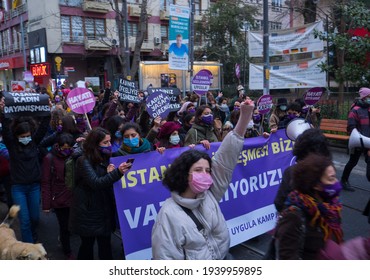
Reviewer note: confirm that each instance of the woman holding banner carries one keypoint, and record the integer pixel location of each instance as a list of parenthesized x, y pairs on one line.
[(92, 214), (190, 224)]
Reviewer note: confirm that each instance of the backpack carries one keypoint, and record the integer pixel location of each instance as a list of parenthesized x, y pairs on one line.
[(69, 169)]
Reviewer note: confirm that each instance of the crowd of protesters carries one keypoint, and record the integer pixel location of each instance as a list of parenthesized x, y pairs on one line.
[(35, 150)]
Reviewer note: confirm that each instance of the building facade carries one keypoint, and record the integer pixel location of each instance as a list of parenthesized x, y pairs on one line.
[(60, 40)]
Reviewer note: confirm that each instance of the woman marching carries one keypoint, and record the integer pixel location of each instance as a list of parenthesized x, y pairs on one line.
[(190, 224)]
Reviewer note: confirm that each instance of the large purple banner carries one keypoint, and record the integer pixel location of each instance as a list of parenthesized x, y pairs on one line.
[(247, 204)]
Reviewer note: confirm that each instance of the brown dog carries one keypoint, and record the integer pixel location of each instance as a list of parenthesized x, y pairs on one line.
[(11, 248)]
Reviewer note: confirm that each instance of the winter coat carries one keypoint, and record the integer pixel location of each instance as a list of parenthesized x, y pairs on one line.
[(199, 133), (301, 240), (93, 208), (359, 118), (172, 239), (284, 189), (25, 160), (54, 193)]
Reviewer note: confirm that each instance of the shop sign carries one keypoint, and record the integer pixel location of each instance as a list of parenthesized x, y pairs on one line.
[(40, 70)]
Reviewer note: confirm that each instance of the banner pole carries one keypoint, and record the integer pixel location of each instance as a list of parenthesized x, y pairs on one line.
[(88, 122)]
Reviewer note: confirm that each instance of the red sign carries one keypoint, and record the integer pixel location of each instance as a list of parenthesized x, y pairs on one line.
[(6, 64), (40, 70)]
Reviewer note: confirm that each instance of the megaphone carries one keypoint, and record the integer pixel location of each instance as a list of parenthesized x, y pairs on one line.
[(296, 127), (356, 139)]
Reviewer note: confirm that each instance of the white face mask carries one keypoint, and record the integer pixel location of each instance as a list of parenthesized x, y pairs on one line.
[(174, 139), (25, 140)]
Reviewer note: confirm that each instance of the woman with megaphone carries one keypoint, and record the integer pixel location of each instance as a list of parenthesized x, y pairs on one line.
[(358, 118)]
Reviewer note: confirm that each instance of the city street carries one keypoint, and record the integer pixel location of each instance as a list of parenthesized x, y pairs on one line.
[(354, 223)]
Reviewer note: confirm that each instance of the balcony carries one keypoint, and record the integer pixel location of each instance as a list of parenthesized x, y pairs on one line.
[(147, 46), (102, 7), (97, 44), (164, 15), (134, 10)]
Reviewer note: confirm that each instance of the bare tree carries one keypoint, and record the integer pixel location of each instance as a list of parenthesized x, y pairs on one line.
[(121, 16), (140, 36)]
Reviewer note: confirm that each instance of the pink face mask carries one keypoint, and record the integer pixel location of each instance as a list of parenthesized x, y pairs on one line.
[(201, 182)]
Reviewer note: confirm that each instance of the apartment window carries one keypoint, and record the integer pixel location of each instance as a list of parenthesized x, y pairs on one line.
[(16, 34), (132, 29), (276, 5), (6, 38), (198, 7), (71, 3), (165, 4), (72, 29), (164, 33), (275, 25), (94, 28)]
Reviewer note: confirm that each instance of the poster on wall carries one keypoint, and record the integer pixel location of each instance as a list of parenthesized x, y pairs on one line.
[(18, 86), (288, 41), (178, 52), (305, 74), (168, 80)]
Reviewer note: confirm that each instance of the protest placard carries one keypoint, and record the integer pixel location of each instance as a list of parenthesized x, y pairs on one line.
[(26, 104), (172, 93), (81, 100), (128, 91), (158, 104)]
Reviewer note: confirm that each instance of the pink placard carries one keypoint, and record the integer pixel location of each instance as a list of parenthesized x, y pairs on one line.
[(81, 100)]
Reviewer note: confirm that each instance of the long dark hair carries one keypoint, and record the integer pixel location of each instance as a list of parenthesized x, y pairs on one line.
[(91, 145), (199, 112), (70, 126)]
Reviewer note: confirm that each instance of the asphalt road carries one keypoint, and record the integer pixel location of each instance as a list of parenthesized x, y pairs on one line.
[(354, 223)]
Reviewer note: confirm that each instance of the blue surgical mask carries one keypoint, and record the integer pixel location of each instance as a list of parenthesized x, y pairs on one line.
[(283, 107), (367, 100), (25, 140), (191, 111), (174, 139), (133, 142), (118, 134)]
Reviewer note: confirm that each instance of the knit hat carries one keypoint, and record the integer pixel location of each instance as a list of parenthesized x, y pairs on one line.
[(282, 101), (167, 129), (364, 92)]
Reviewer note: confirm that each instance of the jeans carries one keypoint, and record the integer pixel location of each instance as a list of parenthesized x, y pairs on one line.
[(28, 198)]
